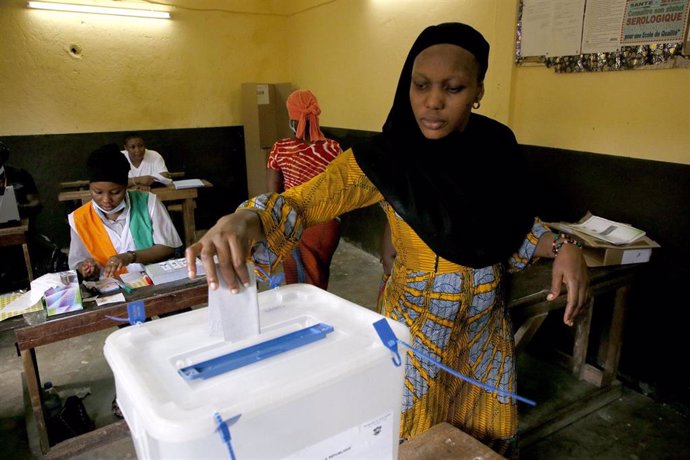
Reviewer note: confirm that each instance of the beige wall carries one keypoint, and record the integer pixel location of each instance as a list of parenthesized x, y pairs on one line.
[(350, 53), (636, 113), (187, 72), (640, 114), (132, 74)]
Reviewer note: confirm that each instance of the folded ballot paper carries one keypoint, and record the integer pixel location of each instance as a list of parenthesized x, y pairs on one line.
[(235, 317)]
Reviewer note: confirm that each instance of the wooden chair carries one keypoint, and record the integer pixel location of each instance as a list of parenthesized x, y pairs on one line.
[(16, 236)]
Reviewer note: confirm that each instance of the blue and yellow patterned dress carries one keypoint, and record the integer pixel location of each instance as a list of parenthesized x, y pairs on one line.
[(456, 314)]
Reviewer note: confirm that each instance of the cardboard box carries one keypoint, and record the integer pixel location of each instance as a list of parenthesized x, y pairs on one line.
[(265, 120), (634, 253), (599, 253)]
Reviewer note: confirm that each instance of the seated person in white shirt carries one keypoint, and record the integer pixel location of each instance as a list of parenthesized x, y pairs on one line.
[(119, 228), (147, 167)]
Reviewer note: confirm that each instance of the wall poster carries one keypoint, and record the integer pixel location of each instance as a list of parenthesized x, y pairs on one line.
[(654, 21), (602, 35)]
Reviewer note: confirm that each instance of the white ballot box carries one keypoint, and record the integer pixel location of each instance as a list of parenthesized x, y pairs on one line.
[(317, 383)]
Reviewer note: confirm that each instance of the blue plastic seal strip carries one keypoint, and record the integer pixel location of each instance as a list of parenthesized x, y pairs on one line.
[(255, 353), (390, 341), (136, 313), (224, 430)]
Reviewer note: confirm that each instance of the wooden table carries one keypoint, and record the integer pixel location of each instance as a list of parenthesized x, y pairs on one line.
[(529, 309), (445, 442), (83, 184), (527, 305), (16, 236), (166, 298), (166, 194)]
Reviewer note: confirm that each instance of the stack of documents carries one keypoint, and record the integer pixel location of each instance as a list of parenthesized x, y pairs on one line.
[(55, 292), (171, 270), (11, 305), (606, 230), (188, 183), (607, 242)]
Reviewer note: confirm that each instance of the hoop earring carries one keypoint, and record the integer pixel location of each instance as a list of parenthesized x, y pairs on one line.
[(476, 105)]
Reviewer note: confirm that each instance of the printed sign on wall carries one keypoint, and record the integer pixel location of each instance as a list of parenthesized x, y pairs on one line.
[(654, 21)]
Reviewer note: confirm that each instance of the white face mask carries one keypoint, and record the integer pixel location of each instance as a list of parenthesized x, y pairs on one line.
[(117, 208)]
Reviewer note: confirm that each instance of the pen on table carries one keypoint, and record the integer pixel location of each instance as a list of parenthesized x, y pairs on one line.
[(124, 287)]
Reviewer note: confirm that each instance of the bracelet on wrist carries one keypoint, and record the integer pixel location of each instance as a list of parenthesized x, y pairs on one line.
[(560, 239), (134, 256)]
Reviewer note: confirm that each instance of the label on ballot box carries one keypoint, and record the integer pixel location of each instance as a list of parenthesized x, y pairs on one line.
[(171, 270)]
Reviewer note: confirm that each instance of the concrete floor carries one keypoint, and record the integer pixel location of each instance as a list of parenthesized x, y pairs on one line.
[(631, 427)]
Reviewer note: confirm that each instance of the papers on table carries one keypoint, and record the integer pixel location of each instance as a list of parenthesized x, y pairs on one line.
[(607, 242), (130, 280), (171, 270), (188, 183), (115, 298), (59, 290), (103, 286), (162, 179), (136, 279), (16, 303), (607, 230)]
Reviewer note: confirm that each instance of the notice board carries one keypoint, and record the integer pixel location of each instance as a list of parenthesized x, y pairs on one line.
[(598, 35)]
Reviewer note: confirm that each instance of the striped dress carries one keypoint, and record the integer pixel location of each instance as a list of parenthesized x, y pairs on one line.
[(299, 160), (456, 314)]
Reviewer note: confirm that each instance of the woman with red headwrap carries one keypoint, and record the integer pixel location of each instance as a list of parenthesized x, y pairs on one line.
[(296, 160)]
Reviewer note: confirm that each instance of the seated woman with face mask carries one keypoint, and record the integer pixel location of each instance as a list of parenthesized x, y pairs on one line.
[(118, 229)]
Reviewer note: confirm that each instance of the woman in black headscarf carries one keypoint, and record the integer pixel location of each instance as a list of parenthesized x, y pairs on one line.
[(450, 182)]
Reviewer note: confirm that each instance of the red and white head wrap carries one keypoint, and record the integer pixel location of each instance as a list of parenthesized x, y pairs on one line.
[(303, 106)]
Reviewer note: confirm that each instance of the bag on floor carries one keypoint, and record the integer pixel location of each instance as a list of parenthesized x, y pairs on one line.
[(71, 421)]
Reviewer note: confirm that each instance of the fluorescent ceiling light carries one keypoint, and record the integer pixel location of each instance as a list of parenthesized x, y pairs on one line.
[(100, 10)]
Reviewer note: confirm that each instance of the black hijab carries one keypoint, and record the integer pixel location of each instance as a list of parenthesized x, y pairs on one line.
[(461, 194)]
